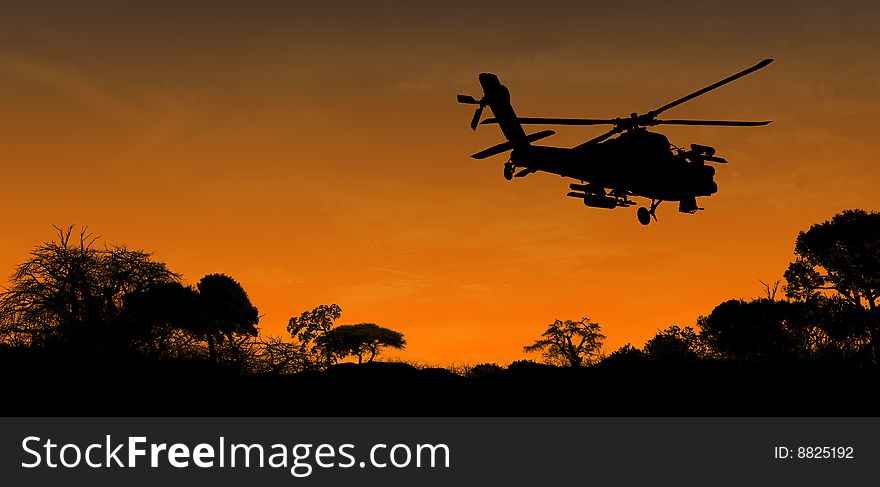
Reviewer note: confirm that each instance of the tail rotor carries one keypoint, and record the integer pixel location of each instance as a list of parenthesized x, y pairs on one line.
[(478, 113)]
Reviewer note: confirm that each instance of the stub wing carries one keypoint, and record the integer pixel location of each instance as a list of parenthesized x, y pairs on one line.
[(506, 146)]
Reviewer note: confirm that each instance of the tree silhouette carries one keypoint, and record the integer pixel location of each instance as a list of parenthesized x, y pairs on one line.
[(159, 320), (362, 339), (227, 316), (483, 370), (675, 345), (309, 330), (69, 291), (623, 357), (753, 331), (842, 257), (572, 343), (274, 355)]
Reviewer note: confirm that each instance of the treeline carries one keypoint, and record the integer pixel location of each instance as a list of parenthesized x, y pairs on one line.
[(74, 299), (827, 317)]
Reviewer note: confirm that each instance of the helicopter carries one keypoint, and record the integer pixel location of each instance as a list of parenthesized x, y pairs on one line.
[(626, 161)]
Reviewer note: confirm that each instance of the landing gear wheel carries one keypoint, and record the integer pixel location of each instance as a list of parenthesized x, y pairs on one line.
[(644, 215), (509, 168)]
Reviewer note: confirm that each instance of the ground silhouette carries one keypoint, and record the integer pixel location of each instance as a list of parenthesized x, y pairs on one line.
[(112, 332)]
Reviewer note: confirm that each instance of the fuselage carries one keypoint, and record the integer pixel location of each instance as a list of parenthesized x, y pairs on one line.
[(639, 162)]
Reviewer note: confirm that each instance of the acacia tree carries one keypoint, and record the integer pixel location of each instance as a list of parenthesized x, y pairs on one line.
[(309, 331), (362, 339), (71, 291), (572, 343), (841, 257)]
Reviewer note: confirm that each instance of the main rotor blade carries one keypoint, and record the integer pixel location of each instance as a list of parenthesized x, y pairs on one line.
[(467, 99), (558, 121), (615, 121), (717, 159), (719, 123), (711, 87)]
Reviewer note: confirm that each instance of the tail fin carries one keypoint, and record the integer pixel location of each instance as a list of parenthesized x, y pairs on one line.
[(497, 98)]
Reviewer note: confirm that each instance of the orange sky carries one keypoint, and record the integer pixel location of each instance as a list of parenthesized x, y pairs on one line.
[(317, 154)]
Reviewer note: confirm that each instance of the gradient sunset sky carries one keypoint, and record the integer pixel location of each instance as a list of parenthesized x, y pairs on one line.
[(315, 152)]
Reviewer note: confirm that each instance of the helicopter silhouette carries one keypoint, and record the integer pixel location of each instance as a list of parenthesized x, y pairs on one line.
[(627, 161)]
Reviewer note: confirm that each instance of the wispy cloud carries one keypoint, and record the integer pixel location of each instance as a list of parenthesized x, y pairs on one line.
[(66, 80)]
